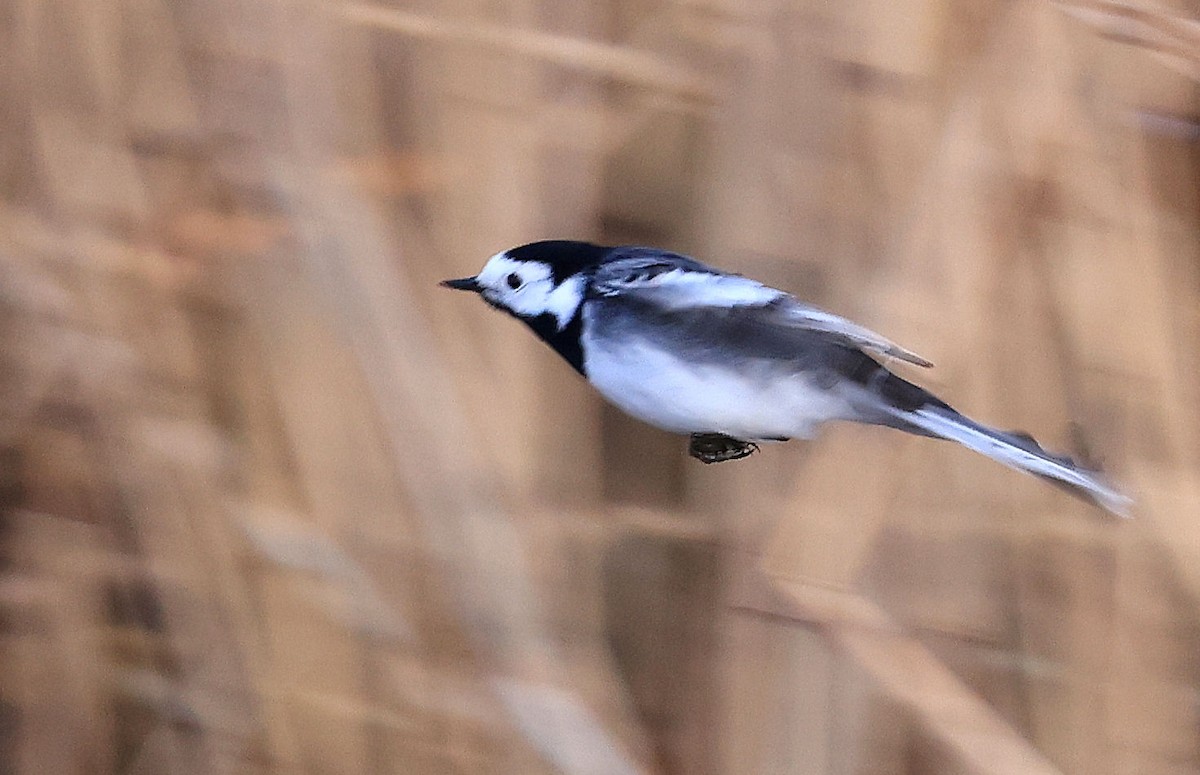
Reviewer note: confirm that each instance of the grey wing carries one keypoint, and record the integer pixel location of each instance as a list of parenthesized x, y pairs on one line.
[(673, 283), (639, 269), (797, 313)]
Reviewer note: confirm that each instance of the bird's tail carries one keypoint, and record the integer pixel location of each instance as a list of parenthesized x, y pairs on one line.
[(1013, 449)]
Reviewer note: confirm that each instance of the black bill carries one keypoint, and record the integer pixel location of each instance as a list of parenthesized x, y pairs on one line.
[(463, 284)]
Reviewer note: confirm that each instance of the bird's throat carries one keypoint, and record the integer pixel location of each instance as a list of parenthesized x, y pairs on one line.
[(565, 341)]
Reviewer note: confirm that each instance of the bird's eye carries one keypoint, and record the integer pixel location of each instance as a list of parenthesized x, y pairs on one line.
[(513, 280)]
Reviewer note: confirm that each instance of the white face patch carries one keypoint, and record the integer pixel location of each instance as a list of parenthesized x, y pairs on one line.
[(527, 288)]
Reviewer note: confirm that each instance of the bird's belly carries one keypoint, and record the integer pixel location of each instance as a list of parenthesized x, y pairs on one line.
[(757, 399)]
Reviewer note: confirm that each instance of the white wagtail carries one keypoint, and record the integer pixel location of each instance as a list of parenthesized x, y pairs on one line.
[(730, 361)]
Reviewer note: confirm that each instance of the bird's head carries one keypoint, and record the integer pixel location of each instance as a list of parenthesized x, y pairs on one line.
[(536, 281)]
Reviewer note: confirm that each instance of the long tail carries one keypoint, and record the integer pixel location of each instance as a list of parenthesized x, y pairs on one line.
[(1016, 450)]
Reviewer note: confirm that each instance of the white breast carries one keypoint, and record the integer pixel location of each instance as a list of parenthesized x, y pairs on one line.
[(751, 400)]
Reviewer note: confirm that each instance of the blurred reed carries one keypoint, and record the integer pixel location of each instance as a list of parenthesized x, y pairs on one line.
[(270, 503)]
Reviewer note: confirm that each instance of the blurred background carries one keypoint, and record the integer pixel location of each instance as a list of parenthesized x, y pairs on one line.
[(273, 502)]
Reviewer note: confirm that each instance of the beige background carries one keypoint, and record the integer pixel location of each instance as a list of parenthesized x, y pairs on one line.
[(272, 502)]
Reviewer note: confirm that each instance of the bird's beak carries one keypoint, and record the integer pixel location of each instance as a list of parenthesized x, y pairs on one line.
[(464, 284)]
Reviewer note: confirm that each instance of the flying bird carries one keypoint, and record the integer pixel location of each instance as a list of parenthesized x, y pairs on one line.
[(731, 362)]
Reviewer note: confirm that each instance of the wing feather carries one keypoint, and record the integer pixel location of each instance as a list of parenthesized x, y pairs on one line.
[(672, 283), (864, 338)]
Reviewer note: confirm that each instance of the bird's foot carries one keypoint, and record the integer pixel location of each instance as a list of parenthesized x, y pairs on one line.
[(717, 448)]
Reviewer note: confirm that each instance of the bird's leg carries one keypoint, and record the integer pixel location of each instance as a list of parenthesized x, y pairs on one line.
[(717, 447)]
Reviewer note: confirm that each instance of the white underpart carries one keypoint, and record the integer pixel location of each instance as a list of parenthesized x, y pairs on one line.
[(753, 403), (1023, 460)]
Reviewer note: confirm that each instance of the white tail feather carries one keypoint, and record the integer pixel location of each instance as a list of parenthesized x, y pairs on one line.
[(1018, 453)]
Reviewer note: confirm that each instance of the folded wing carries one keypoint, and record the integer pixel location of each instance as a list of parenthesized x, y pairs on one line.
[(863, 338), (674, 283)]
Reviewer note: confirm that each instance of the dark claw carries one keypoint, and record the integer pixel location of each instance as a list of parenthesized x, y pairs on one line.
[(717, 448)]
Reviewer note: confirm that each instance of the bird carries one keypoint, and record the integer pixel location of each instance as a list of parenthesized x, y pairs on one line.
[(731, 362)]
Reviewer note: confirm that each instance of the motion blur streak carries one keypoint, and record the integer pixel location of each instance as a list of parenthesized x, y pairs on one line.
[(270, 503)]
